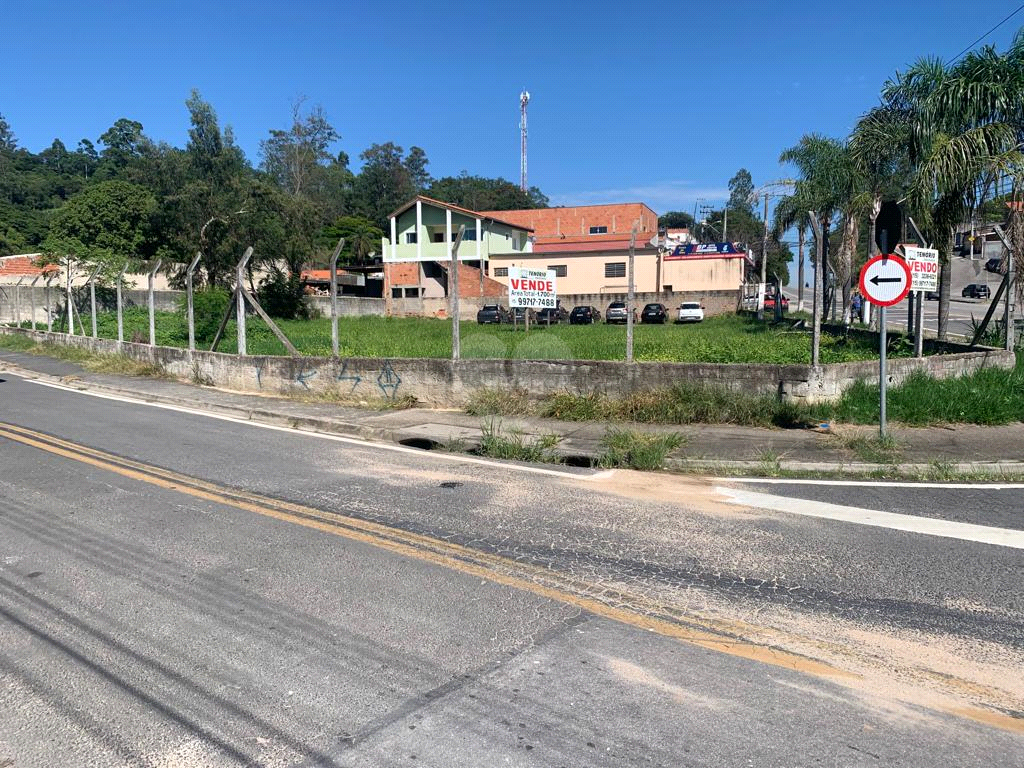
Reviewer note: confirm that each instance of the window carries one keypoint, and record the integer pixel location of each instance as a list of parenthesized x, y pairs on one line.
[(410, 237), (437, 237), (501, 271), (396, 293), (558, 269), (469, 234), (615, 269), (412, 293), (515, 243), (599, 230)]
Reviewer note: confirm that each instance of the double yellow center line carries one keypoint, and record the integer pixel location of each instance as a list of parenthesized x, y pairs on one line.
[(627, 608)]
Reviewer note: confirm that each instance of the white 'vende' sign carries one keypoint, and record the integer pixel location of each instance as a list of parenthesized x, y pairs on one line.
[(924, 268), (533, 288)]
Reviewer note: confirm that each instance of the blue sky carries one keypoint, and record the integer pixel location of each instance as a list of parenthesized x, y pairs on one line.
[(652, 102)]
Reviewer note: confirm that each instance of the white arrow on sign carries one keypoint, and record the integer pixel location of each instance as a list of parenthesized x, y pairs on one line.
[(885, 280)]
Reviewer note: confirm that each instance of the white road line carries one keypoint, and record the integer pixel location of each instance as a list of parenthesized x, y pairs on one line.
[(335, 438), (869, 483), (929, 526)]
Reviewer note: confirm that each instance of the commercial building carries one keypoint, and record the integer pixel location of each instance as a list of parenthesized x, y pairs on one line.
[(587, 247)]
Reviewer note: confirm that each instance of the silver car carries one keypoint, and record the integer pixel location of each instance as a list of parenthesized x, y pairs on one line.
[(616, 313)]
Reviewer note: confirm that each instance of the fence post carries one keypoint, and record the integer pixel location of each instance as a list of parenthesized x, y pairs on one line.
[(240, 302), (71, 317), (120, 307), (334, 296), (630, 296), (92, 299), (152, 304), (32, 298), (454, 303), (191, 308), (46, 298), (17, 302)]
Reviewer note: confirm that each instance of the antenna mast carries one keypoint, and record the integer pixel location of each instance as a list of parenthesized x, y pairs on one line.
[(524, 99)]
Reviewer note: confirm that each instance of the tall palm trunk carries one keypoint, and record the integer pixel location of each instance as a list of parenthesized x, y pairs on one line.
[(800, 235), (946, 260), (844, 265)]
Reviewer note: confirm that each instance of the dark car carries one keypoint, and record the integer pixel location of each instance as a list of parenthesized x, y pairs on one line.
[(616, 313), (932, 296), (584, 315), (976, 291), (492, 314), (654, 313), (552, 315), (994, 265)]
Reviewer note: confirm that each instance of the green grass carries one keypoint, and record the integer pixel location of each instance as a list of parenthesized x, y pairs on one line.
[(513, 445), (989, 396), (682, 403), (874, 449), (724, 339), (637, 450)]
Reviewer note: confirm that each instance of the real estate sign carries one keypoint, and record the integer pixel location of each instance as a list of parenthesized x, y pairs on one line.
[(924, 268), (534, 288)]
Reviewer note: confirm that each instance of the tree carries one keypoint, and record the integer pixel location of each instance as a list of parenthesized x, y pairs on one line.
[(676, 220), (104, 225), (963, 124), (741, 191), (293, 157), (830, 183), (416, 166), (123, 142), (479, 193), (383, 184), (362, 238), (8, 143)]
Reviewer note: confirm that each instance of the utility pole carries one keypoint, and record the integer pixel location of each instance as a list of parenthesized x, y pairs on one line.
[(454, 298), (630, 297), (764, 263)]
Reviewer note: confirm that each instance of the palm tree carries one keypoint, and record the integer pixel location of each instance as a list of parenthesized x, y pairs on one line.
[(959, 125), (829, 183)]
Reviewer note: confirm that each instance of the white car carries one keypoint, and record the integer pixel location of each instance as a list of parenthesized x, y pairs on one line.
[(690, 312)]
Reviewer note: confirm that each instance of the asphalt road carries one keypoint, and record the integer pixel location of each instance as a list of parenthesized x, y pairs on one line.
[(180, 590)]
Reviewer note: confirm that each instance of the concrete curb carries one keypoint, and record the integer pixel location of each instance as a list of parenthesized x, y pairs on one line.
[(575, 450)]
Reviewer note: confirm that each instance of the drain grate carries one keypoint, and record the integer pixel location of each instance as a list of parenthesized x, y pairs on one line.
[(450, 484)]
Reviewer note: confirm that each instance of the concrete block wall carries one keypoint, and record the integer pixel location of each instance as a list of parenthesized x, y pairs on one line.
[(450, 384)]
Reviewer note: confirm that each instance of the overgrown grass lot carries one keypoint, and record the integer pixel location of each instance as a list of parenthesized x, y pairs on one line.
[(723, 339), (990, 396)]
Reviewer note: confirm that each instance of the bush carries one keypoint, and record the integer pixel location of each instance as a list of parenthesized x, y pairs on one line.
[(209, 306), (281, 296)]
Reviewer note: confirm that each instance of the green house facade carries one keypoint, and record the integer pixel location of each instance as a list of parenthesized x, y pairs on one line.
[(424, 229)]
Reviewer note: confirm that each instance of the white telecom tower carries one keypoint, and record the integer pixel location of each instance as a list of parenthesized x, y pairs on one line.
[(524, 99)]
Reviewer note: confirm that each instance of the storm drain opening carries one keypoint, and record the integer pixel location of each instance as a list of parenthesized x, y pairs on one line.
[(422, 443), (450, 484)]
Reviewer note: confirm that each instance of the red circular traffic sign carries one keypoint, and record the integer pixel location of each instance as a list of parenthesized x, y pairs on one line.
[(885, 280)]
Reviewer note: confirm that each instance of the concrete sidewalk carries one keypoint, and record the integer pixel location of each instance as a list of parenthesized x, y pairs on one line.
[(711, 448)]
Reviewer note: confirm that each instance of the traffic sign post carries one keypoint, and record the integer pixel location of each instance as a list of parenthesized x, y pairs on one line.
[(884, 280)]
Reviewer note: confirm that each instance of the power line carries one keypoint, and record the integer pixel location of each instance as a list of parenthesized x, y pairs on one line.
[(997, 26)]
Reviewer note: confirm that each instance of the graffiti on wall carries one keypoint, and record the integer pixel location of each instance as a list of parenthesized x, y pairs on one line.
[(388, 380)]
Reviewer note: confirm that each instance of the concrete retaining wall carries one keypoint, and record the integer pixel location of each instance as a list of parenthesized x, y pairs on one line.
[(444, 383)]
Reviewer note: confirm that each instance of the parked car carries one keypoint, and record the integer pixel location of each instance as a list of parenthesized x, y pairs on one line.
[(976, 291), (584, 315), (552, 315), (654, 313), (492, 314), (932, 296), (993, 265), (616, 313), (769, 304), (690, 312), (520, 315)]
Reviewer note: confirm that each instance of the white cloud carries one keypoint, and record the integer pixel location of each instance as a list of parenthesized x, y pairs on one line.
[(661, 196)]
